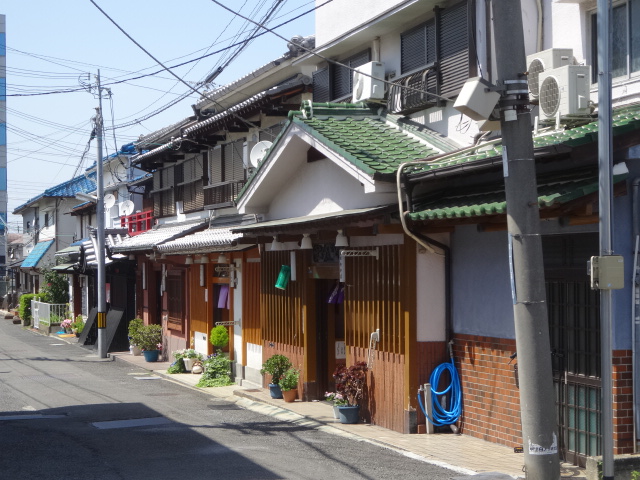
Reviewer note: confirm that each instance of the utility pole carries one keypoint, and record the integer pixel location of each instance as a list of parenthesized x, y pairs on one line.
[(102, 303), (537, 404), (605, 185)]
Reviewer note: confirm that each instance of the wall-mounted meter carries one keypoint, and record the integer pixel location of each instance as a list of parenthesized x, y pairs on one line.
[(607, 272)]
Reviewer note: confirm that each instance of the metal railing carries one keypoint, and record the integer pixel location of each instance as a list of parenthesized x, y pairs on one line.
[(44, 314)]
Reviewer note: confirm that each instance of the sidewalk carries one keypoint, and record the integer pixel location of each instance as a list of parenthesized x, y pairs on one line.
[(461, 453)]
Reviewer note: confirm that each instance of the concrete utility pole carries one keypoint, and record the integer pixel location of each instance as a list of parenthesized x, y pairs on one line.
[(537, 405), (102, 302)]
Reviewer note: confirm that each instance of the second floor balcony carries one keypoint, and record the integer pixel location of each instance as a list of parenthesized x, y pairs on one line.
[(138, 222)]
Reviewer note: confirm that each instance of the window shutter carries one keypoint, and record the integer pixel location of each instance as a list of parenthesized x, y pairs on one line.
[(321, 91), (454, 49), (413, 45), (215, 165), (342, 77)]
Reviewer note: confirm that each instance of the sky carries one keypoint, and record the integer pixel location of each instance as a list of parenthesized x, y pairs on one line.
[(60, 46)]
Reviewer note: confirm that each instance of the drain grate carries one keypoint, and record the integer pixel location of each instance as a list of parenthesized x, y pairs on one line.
[(135, 422), (224, 407), (252, 390)]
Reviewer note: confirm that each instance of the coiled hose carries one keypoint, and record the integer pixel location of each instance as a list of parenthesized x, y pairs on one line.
[(449, 414)]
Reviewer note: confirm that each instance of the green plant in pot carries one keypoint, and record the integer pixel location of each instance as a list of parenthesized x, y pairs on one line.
[(219, 337), (289, 384), (149, 339), (133, 329), (276, 366)]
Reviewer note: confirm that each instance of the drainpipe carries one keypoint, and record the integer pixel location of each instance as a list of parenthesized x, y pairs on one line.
[(540, 24), (375, 50), (634, 330), (429, 245)]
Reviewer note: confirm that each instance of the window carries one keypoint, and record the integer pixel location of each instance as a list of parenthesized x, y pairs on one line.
[(46, 219), (435, 58), (625, 48), (335, 82), (163, 194), (175, 300), (227, 174)]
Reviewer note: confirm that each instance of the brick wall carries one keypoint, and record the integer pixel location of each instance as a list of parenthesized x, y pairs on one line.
[(490, 398), (622, 402)]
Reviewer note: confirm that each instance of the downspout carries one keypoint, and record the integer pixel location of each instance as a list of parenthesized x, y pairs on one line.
[(429, 245), (540, 24), (634, 287)]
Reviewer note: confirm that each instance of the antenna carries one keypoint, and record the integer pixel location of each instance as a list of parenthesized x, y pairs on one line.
[(109, 201), (126, 207), (258, 152)]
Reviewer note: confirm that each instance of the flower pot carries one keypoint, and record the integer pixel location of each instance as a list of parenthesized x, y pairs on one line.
[(349, 414), (188, 363), (135, 350), (151, 355), (275, 391), (290, 395), (336, 412)]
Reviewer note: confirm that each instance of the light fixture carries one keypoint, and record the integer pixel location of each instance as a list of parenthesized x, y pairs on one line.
[(306, 244), (132, 256), (275, 245), (204, 259), (341, 240), (222, 258), (188, 260)]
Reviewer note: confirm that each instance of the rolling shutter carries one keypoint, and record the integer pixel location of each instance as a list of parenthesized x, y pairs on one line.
[(454, 49), (321, 92)]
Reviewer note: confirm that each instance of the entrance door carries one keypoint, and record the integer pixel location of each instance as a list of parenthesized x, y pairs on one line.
[(574, 326), (330, 329)]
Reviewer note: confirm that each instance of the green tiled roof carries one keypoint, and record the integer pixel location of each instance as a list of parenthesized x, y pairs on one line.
[(362, 137), (623, 120), (492, 201)]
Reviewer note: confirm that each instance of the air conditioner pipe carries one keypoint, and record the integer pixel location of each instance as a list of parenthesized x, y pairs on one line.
[(634, 330)]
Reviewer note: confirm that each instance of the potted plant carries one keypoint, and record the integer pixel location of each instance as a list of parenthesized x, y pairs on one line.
[(336, 400), (289, 384), (189, 357), (219, 338), (78, 325), (350, 383), (66, 324), (149, 339), (276, 366), (134, 327)]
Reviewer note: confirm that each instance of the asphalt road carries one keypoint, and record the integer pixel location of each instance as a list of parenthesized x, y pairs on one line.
[(67, 414)]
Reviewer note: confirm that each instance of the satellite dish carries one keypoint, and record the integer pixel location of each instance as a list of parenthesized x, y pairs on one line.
[(109, 201), (126, 207), (258, 152)]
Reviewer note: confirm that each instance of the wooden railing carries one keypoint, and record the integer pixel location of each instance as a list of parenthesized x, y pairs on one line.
[(137, 223)]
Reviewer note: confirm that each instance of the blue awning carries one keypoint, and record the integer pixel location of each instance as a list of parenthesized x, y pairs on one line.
[(36, 254)]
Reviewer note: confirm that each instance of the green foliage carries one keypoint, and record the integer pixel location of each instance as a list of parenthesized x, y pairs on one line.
[(78, 324), (635, 475), (55, 319), (149, 337), (134, 327), (56, 287), (219, 337), (217, 371), (177, 366), (289, 380), (276, 366), (24, 308)]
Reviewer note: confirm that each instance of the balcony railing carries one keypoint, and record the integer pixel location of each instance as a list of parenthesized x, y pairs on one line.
[(137, 223)]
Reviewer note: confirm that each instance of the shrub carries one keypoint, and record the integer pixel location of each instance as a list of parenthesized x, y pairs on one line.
[(219, 337), (56, 287), (78, 324), (276, 366), (134, 327), (24, 309), (149, 337), (217, 371)]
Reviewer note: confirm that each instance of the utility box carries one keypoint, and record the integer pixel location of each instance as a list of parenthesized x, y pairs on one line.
[(607, 272)]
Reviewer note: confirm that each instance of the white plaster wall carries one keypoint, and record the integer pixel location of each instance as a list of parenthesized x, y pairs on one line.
[(431, 298), (340, 16), (304, 195)]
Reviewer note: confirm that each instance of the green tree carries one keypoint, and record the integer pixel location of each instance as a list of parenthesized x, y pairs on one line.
[(56, 287)]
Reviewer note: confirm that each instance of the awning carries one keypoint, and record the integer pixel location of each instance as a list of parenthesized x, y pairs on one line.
[(64, 267), (35, 257), (322, 220), (491, 200), (158, 235)]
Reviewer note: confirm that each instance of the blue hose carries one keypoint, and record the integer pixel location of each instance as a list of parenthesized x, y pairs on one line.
[(444, 415)]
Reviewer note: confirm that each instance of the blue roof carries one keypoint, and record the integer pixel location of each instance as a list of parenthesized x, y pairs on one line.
[(81, 184), (36, 254)]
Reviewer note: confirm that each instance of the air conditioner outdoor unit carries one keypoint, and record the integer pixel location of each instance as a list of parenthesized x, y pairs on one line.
[(541, 62), (564, 91), (365, 87)]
